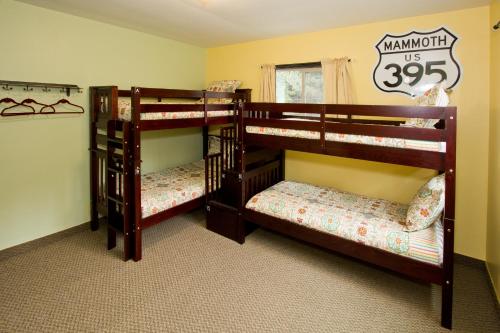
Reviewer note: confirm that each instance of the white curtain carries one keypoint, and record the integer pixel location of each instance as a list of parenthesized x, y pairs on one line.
[(337, 82), (268, 83)]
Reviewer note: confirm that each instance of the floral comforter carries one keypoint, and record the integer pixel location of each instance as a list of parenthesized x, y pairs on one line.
[(373, 222), (171, 187)]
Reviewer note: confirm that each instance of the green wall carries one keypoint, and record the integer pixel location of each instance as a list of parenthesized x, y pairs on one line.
[(44, 161)]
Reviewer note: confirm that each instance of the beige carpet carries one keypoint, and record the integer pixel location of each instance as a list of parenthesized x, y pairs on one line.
[(192, 280)]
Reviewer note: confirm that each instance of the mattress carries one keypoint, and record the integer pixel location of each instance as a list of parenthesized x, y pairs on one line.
[(351, 138), (171, 187), (373, 222), (125, 112)]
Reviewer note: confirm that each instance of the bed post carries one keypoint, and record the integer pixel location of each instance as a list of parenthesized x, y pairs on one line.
[(239, 147), (449, 218), (118, 185), (205, 140), (136, 164), (94, 109), (111, 187), (240, 168), (246, 93), (205, 102), (282, 164)]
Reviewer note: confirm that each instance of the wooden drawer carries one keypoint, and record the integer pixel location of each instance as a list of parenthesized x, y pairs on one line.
[(225, 221)]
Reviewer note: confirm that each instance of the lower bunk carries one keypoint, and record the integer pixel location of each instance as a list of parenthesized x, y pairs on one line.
[(372, 230), (164, 194), (372, 222), (171, 187)]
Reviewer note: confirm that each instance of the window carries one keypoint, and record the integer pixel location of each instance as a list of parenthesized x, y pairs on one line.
[(301, 83)]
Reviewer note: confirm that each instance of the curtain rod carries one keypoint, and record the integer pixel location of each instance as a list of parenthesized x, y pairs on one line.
[(302, 65)]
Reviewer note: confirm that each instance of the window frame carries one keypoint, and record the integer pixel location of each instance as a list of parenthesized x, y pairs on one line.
[(306, 67)]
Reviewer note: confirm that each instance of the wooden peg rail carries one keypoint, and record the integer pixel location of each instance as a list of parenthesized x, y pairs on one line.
[(46, 87)]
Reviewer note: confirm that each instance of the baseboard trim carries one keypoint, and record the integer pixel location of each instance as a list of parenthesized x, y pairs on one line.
[(42, 241), (469, 261)]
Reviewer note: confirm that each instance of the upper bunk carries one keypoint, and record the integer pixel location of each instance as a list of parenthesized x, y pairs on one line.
[(370, 132), (158, 108)]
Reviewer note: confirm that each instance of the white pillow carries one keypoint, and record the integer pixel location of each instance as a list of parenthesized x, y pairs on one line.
[(223, 86), (436, 96), (427, 205)]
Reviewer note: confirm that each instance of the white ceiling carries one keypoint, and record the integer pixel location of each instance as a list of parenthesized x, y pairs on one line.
[(210, 23)]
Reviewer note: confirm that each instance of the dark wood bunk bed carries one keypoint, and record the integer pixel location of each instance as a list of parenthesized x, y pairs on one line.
[(259, 165), (115, 145)]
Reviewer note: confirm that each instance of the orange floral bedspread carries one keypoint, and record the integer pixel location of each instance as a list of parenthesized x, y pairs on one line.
[(374, 222)]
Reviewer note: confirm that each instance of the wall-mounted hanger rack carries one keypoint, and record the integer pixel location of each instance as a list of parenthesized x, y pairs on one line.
[(46, 87)]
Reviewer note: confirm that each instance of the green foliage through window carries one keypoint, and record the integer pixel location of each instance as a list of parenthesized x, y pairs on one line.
[(299, 85)]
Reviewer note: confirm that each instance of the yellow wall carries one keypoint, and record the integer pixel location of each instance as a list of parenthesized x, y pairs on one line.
[(44, 161), (493, 231), (399, 183)]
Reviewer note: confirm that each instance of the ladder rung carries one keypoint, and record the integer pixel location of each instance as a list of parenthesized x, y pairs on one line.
[(120, 141), (118, 201), (117, 156), (117, 145), (115, 170), (99, 152)]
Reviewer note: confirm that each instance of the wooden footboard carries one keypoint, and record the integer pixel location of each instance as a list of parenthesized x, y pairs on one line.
[(217, 164), (213, 175), (225, 204), (260, 178), (227, 146)]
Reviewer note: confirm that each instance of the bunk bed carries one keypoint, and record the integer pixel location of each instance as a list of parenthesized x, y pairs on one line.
[(120, 194), (254, 191)]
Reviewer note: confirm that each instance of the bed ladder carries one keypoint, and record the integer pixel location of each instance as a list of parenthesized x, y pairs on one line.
[(119, 185)]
